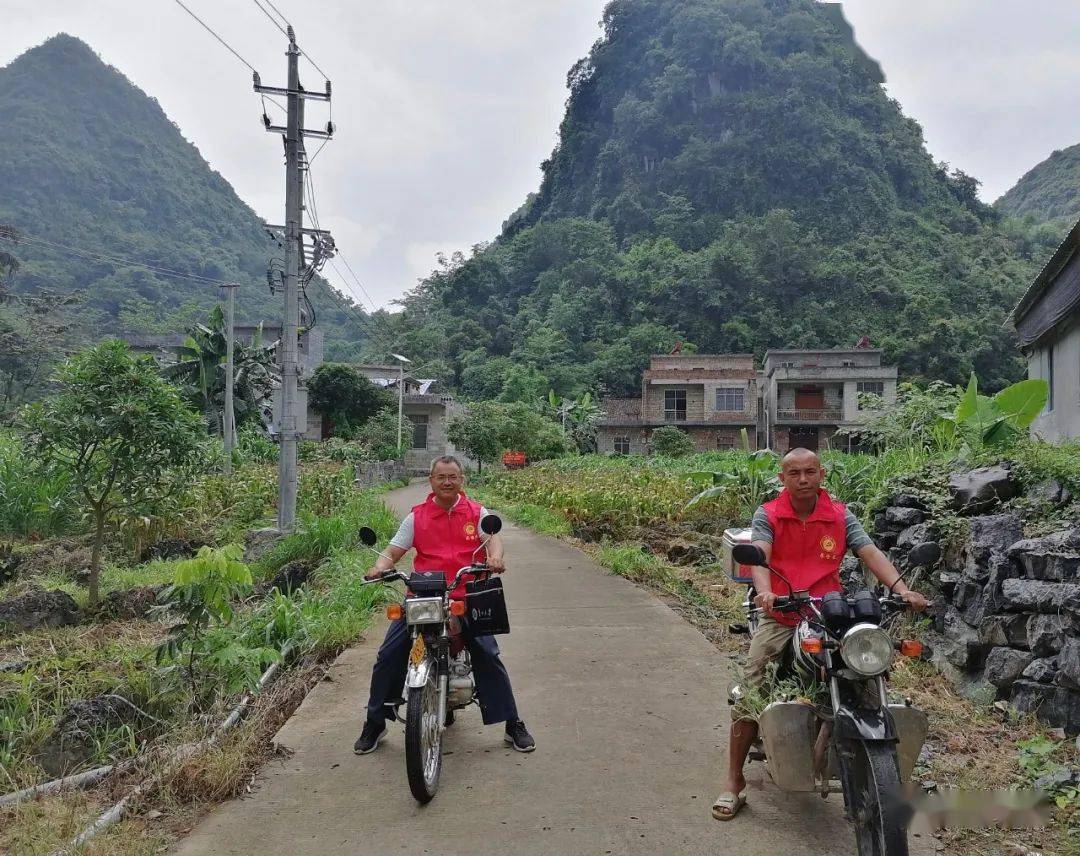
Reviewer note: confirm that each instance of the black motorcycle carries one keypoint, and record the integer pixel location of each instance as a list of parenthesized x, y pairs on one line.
[(856, 742), (439, 677)]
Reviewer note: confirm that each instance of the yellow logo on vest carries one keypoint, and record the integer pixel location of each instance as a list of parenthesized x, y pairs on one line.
[(828, 547), (470, 530)]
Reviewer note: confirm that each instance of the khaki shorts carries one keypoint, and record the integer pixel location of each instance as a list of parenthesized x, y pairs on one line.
[(766, 645)]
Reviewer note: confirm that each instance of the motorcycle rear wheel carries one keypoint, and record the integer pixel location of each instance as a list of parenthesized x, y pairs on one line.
[(423, 740), (876, 808)]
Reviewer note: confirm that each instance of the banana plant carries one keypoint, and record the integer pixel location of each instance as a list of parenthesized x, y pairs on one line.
[(1002, 419), (754, 479)]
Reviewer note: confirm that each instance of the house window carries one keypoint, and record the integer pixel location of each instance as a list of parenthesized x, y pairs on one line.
[(873, 387), (724, 441), (848, 364), (419, 430), (731, 399), (622, 445), (675, 405), (787, 365)]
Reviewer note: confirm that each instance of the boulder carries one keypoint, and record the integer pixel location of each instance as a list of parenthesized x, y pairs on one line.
[(1005, 665), (981, 489), (882, 526), (291, 577), (925, 555), (1069, 664), (1041, 670), (990, 534), (1046, 634), (903, 517), (981, 604), (1053, 704), (130, 603), (947, 582), (259, 542), (1036, 596), (999, 568), (913, 536), (72, 741), (1051, 491), (1004, 630), (885, 540), (962, 646), (39, 608), (965, 592), (1050, 565), (907, 500)]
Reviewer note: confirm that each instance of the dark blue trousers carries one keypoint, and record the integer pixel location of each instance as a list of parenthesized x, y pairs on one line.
[(493, 688)]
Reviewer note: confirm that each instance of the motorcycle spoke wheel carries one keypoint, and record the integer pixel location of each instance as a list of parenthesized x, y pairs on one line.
[(423, 740), (877, 809)]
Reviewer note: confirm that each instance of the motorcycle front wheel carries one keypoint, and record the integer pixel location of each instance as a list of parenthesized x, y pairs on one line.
[(876, 805), (423, 739)]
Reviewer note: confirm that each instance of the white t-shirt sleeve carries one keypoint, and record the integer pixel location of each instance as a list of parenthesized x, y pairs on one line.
[(403, 540)]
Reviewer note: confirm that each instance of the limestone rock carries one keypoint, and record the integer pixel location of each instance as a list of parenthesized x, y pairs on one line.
[(1005, 665), (980, 489)]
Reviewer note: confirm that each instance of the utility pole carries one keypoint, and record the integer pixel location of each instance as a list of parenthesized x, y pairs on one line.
[(294, 133), (400, 395), (230, 373)]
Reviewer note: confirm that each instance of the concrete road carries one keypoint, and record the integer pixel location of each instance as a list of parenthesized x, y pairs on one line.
[(627, 704)]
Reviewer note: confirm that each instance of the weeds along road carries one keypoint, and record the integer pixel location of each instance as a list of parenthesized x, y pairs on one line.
[(627, 704)]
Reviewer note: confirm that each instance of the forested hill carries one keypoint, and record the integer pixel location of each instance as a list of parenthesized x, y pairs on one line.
[(731, 174), (89, 161), (1050, 191)]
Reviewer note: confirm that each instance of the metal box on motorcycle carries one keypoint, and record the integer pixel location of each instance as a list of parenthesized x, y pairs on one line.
[(738, 573), (789, 730)]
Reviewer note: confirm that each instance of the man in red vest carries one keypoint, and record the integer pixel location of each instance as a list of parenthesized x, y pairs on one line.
[(444, 530), (804, 534)]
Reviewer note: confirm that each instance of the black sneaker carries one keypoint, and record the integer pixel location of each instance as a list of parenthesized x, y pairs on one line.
[(517, 735), (370, 737)]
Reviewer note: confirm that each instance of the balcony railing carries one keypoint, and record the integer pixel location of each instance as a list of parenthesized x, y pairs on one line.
[(803, 415)]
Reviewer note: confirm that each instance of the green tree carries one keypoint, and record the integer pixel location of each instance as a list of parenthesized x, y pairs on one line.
[(478, 432), (122, 433), (340, 393), (670, 442)]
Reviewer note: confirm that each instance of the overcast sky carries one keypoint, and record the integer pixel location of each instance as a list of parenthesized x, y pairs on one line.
[(445, 109)]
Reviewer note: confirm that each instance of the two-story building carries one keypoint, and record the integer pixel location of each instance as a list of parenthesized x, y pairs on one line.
[(427, 409), (809, 394), (712, 397), (1047, 322)]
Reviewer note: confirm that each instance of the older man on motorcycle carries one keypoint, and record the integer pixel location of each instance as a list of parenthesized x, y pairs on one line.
[(804, 534), (445, 532)]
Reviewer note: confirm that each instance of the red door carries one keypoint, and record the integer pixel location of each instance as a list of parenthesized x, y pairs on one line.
[(810, 398)]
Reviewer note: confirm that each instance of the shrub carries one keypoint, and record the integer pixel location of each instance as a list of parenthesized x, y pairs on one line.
[(670, 442)]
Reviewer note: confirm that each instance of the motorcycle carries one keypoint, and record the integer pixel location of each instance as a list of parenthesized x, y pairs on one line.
[(856, 742), (439, 678)]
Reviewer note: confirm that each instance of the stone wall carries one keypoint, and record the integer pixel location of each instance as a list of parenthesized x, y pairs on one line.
[(1008, 617), (376, 473)]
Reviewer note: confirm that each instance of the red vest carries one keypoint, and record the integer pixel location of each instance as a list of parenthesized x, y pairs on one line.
[(445, 540), (807, 552)]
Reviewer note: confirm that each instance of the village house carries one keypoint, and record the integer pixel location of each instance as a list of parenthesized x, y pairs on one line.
[(712, 397), (809, 394), (428, 410), (165, 349), (1047, 322)]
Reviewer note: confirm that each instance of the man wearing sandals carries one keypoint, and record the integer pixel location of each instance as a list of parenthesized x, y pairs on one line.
[(804, 534)]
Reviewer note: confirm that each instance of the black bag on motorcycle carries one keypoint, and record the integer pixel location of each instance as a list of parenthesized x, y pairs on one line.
[(486, 607)]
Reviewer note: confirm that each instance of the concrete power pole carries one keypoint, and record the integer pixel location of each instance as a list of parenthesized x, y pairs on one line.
[(294, 133), (230, 374)]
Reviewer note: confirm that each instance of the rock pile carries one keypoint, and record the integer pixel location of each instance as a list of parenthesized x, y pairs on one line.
[(1011, 610)]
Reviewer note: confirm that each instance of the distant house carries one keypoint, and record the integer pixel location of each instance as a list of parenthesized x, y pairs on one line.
[(1047, 322), (810, 394), (712, 397), (426, 407), (165, 349)]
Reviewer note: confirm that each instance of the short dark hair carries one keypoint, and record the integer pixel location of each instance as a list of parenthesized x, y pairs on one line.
[(446, 459)]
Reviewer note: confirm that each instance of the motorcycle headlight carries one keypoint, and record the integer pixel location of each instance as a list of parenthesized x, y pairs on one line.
[(424, 610), (867, 650)]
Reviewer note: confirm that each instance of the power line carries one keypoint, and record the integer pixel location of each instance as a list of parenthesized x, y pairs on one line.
[(104, 257), (276, 9), (272, 19), (345, 261), (215, 35)]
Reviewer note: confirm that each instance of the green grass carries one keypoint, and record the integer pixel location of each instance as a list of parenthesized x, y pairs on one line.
[(546, 521)]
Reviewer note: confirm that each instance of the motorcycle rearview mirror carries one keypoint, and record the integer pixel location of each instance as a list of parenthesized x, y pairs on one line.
[(491, 524), (368, 537)]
